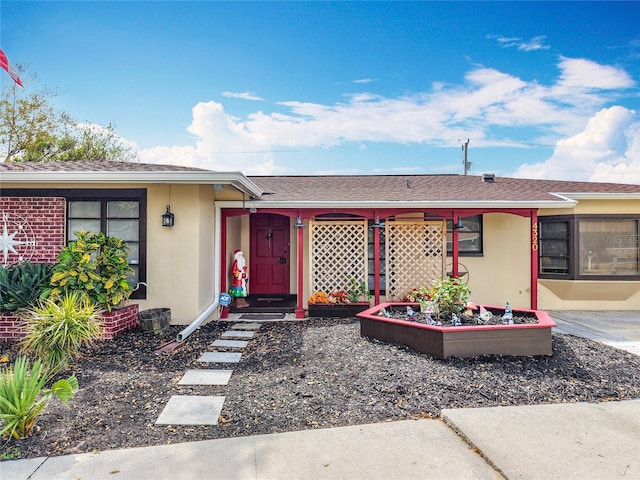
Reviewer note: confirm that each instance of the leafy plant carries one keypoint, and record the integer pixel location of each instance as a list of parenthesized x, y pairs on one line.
[(23, 395), (57, 328), (420, 295), (96, 266), (21, 285), (450, 295), (358, 292)]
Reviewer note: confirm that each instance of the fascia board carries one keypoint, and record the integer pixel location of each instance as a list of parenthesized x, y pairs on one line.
[(598, 196), (236, 179), (403, 204)]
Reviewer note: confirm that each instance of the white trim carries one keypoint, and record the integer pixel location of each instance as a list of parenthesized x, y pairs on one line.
[(235, 179), (400, 204), (599, 196)]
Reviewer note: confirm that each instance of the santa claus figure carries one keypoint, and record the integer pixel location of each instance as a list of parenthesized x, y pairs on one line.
[(239, 282)]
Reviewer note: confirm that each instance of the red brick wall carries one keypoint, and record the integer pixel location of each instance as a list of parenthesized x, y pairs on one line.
[(119, 320), (46, 219), (12, 328)]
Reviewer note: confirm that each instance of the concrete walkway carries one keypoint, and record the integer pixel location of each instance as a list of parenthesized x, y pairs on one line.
[(619, 329), (564, 441)]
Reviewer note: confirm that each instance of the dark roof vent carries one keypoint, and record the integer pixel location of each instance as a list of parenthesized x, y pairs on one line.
[(489, 177)]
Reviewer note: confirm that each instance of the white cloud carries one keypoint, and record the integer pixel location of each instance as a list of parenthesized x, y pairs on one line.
[(607, 150), (536, 43), (486, 99), (242, 95)]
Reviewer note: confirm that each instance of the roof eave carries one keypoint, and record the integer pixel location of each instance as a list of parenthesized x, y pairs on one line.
[(235, 179), (598, 196), (496, 204)]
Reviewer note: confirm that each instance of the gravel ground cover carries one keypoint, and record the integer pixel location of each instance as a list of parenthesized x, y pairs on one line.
[(315, 373)]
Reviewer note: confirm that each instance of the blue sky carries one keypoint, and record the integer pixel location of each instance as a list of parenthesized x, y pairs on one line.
[(541, 90)]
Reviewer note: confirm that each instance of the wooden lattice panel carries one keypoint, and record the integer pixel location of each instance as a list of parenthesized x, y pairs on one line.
[(338, 253), (415, 253)]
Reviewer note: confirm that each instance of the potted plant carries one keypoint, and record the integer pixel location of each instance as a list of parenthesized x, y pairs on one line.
[(340, 303)]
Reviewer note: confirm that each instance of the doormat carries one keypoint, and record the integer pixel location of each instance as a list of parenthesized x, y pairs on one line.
[(270, 299), (262, 316)]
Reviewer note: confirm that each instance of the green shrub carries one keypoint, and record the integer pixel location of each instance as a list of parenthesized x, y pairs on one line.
[(95, 266), (450, 295), (22, 285), (56, 328), (23, 396)]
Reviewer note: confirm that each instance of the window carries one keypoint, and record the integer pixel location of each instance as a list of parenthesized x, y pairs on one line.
[(590, 247), (554, 247), (608, 247), (469, 237), (117, 214)]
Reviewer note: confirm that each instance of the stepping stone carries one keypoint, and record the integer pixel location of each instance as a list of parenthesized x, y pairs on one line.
[(220, 357), (206, 377), (237, 334), (191, 410), (230, 343), (246, 326)]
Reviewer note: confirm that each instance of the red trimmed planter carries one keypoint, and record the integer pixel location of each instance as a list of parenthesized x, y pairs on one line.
[(337, 311), (464, 341)]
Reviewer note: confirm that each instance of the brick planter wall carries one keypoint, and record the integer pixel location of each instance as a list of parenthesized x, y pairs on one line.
[(119, 320), (12, 328)]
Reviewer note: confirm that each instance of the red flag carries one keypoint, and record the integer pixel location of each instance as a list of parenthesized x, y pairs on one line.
[(4, 63)]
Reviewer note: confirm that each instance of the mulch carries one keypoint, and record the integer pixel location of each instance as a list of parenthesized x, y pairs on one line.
[(316, 373)]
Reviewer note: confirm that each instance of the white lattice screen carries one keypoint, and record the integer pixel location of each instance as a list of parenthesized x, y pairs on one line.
[(338, 253), (415, 252)]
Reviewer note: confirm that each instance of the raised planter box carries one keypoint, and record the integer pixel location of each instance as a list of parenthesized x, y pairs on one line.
[(464, 341), (337, 311), (12, 328), (119, 320)]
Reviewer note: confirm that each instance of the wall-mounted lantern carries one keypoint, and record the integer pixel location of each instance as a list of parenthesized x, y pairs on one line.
[(168, 218), (299, 223), (458, 225)]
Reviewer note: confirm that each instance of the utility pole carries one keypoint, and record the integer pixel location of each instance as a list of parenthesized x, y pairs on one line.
[(466, 163)]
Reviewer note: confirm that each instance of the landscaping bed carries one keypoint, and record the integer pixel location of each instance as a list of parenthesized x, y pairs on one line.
[(315, 373)]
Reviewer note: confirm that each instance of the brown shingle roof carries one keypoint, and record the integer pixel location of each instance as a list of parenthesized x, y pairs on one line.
[(92, 167), (463, 188)]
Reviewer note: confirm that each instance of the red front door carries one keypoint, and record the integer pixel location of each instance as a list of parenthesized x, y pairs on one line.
[(269, 254)]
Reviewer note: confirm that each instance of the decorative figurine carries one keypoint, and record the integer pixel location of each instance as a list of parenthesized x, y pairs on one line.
[(239, 283), (455, 321), (507, 318), (383, 313), (411, 315), (485, 315), (469, 309)]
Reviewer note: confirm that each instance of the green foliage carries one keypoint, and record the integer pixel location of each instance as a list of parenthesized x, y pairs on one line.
[(31, 129), (420, 295), (358, 292), (57, 328), (23, 396), (95, 266), (450, 295), (21, 285)]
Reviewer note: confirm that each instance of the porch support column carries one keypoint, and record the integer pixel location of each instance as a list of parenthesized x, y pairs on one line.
[(534, 259), (454, 246), (223, 252), (300, 312), (376, 261)]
